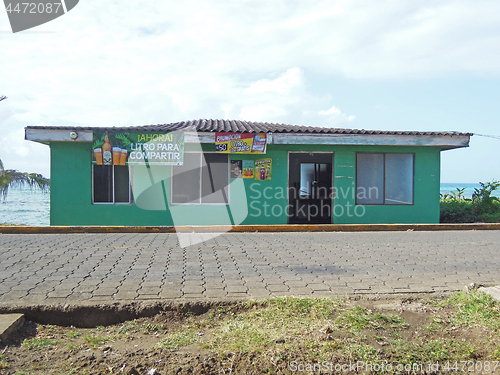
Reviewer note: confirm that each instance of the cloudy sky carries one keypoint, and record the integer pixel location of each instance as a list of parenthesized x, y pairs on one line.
[(386, 64)]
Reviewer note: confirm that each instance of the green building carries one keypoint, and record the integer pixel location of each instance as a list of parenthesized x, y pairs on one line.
[(221, 172)]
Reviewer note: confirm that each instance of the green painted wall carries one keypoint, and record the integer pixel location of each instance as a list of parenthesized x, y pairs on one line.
[(251, 202)]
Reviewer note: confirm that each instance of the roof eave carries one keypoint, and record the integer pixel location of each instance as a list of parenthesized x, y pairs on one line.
[(443, 141), (448, 141)]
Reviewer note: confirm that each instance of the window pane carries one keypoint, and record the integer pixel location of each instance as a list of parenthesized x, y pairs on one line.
[(122, 184), (306, 178), (324, 178), (215, 178), (398, 178), (315, 180), (103, 183), (186, 180), (370, 179)]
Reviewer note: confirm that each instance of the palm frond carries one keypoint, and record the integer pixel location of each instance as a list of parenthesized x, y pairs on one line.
[(13, 178)]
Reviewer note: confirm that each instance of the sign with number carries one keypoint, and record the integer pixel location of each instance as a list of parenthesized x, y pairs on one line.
[(240, 143)]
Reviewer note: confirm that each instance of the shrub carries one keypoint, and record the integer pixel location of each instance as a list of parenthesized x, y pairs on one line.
[(486, 207), (483, 207), (456, 211)]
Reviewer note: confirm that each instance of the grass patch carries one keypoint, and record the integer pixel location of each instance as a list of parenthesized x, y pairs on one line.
[(39, 343), (431, 351), (127, 327), (256, 327), (474, 309), (358, 318), (266, 336), (72, 334), (94, 341), (177, 340), (150, 328), (4, 362)]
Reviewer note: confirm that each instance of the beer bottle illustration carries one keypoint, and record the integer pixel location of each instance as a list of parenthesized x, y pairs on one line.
[(107, 155)]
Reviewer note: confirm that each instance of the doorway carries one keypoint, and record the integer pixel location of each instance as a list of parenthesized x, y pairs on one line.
[(310, 187)]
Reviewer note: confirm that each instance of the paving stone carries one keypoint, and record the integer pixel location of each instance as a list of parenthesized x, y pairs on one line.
[(301, 291), (254, 285), (318, 286), (55, 301), (235, 283), (196, 296), (381, 290), (215, 293), (295, 283), (220, 285), (75, 297), (282, 294), (193, 289), (170, 294), (342, 290), (193, 282), (378, 262), (149, 290), (237, 295), (277, 288), (258, 293), (363, 291), (130, 286), (59, 294), (146, 296), (322, 293), (235, 289), (125, 295)]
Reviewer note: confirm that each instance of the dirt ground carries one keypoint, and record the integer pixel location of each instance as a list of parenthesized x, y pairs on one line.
[(362, 332)]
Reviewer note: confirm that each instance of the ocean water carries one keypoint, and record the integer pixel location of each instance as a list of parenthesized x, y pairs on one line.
[(25, 206), (447, 188), (32, 207)]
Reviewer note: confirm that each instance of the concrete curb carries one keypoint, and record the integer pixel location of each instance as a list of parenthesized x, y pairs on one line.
[(9, 323), (91, 314), (245, 228)]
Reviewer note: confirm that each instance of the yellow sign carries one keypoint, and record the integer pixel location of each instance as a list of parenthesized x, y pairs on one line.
[(240, 143)]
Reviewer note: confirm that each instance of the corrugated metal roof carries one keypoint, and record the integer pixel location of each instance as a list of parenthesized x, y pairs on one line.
[(239, 126)]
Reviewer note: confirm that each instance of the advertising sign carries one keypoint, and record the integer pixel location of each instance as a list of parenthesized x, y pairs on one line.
[(263, 169), (137, 148), (236, 169), (248, 167), (240, 143)]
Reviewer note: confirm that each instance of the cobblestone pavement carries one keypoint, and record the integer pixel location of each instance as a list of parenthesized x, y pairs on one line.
[(56, 269)]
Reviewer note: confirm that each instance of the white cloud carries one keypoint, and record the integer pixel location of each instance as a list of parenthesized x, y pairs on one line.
[(272, 99), (332, 111), (335, 116), (281, 85)]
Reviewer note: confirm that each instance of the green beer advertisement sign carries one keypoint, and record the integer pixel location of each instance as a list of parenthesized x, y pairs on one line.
[(137, 148)]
